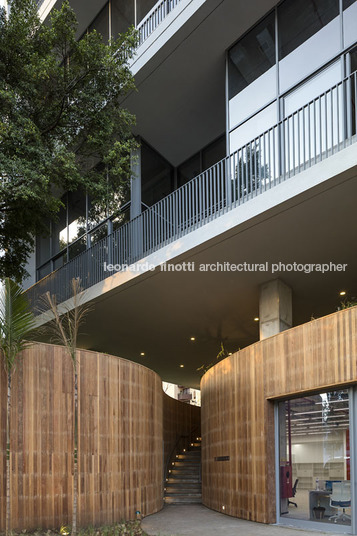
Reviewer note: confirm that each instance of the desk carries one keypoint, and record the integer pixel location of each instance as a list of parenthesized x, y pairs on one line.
[(320, 498)]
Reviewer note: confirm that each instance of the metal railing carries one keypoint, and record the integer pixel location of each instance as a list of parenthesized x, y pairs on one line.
[(155, 17), (317, 130)]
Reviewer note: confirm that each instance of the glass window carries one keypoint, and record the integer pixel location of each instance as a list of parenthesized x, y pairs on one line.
[(297, 21), (306, 31), (314, 87), (98, 234), (156, 176), (353, 56), (348, 3), (77, 248), (314, 453), (252, 56), (122, 218), (59, 229), (301, 132), (45, 270), (60, 261), (101, 23), (77, 223), (122, 16), (253, 127), (43, 246)]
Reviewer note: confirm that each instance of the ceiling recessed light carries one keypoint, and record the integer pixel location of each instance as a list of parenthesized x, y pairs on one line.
[(229, 353), (142, 353), (256, 319), (342, 293), (181, 366), (192, 338)]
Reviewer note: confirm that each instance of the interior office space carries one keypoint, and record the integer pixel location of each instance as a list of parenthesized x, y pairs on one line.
[(247, 154), (315, 457)]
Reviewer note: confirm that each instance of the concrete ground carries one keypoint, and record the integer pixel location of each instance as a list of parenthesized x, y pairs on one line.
[(197, 520)]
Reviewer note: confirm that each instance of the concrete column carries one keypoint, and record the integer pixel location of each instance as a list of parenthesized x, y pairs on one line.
[(135, 205), (275, 308)]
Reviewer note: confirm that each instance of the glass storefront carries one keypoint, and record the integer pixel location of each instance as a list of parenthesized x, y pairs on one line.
[(314, 460)]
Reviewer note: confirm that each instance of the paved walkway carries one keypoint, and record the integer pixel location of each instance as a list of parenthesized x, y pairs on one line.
[(197, 520)]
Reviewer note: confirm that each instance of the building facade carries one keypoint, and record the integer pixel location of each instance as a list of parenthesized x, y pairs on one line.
[(240, 224)]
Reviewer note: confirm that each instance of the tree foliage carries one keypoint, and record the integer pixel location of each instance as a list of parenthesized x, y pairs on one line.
[(60, 116)]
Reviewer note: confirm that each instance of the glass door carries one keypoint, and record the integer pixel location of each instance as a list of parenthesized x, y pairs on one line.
[(315, 462)]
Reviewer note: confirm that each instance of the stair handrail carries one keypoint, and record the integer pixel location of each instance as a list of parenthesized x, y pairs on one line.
[(179, 445)]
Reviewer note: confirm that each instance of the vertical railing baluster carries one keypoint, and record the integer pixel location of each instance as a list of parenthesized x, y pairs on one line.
[(331, 126), (268, 161), (338, 115), (354, 102)]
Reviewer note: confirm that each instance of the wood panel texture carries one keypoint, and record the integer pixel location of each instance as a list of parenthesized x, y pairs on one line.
[(3, 401), (238, 410), (179, 420), (120, 446), (120, 439)]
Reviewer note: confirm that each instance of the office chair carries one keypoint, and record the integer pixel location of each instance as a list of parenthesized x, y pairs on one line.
[(341, 498), (294, 493)]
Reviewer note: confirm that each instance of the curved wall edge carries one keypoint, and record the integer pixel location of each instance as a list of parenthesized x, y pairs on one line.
[(238, 408)]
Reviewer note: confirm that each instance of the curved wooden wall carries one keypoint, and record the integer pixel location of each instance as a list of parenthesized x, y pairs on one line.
[(237, 408), (120, 439), (179, 419)]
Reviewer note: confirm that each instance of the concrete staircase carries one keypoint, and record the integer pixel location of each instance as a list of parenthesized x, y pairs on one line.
[(183, 484)]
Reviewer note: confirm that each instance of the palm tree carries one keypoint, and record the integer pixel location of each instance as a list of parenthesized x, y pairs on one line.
[(64, 323), (16, 323)]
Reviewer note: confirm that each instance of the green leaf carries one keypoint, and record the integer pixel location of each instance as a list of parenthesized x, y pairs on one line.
[(16, 323)]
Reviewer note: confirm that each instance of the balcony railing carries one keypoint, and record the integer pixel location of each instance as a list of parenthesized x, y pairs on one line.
[(314, 132), (155, 17)]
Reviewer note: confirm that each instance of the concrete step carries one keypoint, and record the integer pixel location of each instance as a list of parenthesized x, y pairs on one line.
[(182, 479), (183, 500), (177, 483), (191, 455), (184, 472), (183, 491), (183, 485), (185, 463)]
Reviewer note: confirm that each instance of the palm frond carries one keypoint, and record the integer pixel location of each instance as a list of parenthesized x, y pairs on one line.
[(64, 321), (16, 322)]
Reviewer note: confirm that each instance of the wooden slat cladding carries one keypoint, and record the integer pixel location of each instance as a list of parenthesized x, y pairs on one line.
[(41, 439), (179, 419), (3, 401), (120, 447), (237, 407)]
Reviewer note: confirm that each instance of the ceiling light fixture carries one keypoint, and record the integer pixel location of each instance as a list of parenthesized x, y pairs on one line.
[(256, 319), (142, 353), (181, 366), (342, 293), (192, 338)]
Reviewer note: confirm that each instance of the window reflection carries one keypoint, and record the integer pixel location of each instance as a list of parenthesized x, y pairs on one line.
[(297, 21), (252, 56), (348, 3)]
